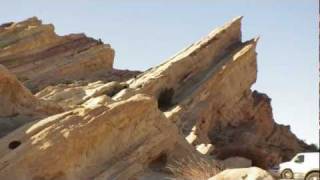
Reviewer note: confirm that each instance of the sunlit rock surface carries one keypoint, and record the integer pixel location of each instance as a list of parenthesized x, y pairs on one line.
[(66, 114)]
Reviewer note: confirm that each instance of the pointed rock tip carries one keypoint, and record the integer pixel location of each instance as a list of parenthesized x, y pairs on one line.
[(227, 25), (33, 19), (253, 41), (256, 39), (234, 21), (238, 18)]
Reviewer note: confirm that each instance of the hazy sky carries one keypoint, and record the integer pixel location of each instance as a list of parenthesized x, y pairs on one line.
[(146, 33)]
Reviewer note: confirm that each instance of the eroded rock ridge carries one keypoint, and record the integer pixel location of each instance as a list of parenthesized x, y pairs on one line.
[(66, 113)]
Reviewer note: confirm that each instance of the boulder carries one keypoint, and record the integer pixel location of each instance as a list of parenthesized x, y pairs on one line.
[(252, 173), (237, 162)]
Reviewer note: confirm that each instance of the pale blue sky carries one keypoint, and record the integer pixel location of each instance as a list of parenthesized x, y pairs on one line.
[(145, 33)]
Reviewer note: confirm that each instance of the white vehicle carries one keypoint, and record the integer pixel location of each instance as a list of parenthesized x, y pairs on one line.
[(303, 165)]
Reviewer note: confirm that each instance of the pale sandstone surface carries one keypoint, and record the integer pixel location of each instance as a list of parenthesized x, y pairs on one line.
[(108, 142), (15, 99), (87, 120), (252, 173), (73, 95), (206, 90)]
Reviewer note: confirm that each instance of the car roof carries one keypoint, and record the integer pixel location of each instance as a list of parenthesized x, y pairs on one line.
[(308, 153)]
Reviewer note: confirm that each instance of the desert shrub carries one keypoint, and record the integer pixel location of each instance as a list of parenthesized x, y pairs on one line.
[(313, 148), (193, 168)]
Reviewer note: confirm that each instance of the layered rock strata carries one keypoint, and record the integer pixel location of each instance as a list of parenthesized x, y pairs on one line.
[(39, 57), (206, 90), (89, 121), (107, 142)]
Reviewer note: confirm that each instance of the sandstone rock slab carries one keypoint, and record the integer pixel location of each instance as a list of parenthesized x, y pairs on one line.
[(252, 173)]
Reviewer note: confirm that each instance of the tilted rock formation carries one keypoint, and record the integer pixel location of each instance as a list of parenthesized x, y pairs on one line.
[(15, 99), (19, 105), (205, 90), (39, 57), (73, 95), (120, 124), (108, 142)]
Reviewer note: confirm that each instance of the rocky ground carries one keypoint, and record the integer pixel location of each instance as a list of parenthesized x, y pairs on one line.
[(67, 114)]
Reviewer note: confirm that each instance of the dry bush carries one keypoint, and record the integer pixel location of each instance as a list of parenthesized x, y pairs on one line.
[(193, 168)]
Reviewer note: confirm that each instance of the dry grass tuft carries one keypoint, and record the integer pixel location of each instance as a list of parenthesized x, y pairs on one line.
[(193, 168)]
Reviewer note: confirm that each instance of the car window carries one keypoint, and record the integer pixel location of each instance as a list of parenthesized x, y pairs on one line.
[(299, 159)]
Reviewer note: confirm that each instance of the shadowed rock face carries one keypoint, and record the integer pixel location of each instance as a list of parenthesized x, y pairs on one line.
[(80, 125), (18, 105)]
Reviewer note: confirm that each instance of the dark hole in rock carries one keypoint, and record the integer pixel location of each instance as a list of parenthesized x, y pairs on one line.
[(159, 163), (165, 99), (14, 144), (116, 89), (113, 92)]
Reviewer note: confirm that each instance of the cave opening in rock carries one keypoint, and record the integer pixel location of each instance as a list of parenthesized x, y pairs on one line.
[(165, 99), (116, 89), (14, 144), (159, 163)]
